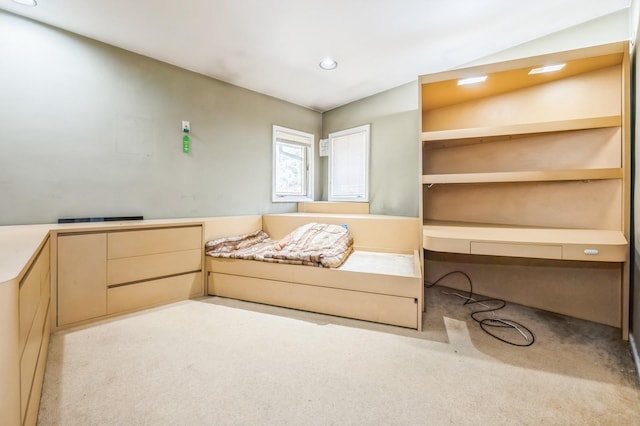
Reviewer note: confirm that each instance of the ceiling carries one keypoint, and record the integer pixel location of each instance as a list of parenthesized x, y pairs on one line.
[(274, 46)]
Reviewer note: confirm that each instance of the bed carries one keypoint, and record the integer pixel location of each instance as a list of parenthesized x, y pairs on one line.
[(378, 280), (323, 245)]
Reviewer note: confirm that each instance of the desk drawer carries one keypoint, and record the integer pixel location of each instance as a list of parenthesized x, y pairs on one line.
[(130, 269), (595, 252), (154, 292), (540, 251), (153, 241)]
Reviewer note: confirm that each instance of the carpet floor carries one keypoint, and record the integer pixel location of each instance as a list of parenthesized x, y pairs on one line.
[(216, 361)]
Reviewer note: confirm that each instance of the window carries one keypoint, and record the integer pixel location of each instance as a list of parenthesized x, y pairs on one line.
[(292, 165), (349, 165)]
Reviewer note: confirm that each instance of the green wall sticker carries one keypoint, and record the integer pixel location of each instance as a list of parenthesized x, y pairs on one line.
[(186, 144)]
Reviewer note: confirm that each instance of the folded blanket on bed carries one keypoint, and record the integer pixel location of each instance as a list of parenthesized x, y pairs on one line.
[(313, 244)]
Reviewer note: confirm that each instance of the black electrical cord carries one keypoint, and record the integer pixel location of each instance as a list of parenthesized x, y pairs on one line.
[(486, 324)]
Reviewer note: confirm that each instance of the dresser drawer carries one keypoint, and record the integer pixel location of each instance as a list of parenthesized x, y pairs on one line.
[(31, 415), (154, 292), (29, 301), (33, 288), (82, 289), (45, 263), (31, 354), (153, 241), (130, 269)]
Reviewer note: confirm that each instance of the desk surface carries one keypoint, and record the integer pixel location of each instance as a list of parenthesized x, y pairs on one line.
[(549, 243)]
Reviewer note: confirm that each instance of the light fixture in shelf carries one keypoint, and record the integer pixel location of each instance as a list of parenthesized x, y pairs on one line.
[(26, 2), (328, 64), (471, 80), (548, 68)]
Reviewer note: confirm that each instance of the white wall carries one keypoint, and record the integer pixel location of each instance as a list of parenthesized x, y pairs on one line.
[(607, 29)]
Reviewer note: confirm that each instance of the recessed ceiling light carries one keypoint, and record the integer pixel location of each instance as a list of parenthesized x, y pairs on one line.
[(26, 2), (471, 80), (549, 68), (328, 64)]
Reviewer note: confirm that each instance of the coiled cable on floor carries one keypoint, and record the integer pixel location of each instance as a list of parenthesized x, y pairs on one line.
[(488, 324)]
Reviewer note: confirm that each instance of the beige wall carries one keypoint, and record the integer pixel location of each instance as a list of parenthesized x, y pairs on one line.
[(393, 115), (92, 130)]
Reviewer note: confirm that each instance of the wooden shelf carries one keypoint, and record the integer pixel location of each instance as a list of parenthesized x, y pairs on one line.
[(529, 242), (516, 130), (525, 176)]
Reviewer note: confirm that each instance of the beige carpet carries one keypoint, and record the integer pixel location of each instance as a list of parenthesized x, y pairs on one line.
[(222, 362)]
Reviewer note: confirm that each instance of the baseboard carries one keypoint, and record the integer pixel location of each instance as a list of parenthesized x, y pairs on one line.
[(634, 352)]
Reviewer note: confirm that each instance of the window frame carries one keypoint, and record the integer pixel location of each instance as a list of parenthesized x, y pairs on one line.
[(355, 198), (308, 144)]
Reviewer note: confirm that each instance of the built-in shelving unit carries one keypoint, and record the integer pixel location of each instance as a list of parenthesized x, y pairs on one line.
[(532, 166)]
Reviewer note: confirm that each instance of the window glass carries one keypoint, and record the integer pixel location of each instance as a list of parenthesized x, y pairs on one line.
[(292, 165)]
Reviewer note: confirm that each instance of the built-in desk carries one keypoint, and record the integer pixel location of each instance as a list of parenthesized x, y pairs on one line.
[(575, 272), (515, 241)]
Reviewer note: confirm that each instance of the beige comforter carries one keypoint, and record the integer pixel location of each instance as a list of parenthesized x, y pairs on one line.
[(313, 244)]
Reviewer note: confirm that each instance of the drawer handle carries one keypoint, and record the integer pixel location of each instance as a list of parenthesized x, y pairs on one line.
[(591, 252)]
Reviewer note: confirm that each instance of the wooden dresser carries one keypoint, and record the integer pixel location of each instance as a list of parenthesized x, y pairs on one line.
[(126, 270)]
